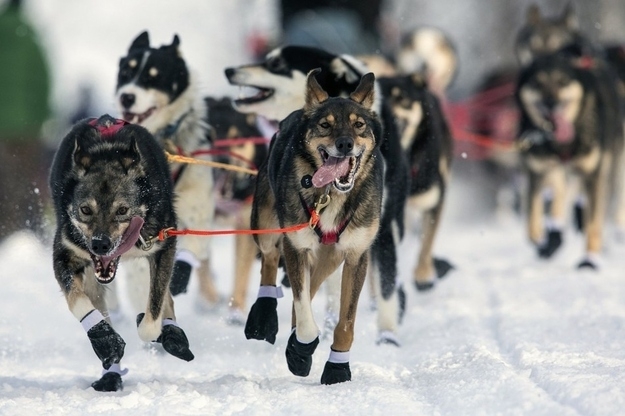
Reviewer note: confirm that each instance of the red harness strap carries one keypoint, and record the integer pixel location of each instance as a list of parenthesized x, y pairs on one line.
[(327, 238), (107, 125)]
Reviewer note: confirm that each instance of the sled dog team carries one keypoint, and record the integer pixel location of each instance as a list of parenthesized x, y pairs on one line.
[(353, 157)]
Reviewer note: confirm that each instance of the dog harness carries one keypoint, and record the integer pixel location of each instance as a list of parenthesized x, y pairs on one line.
[(327, 238), (107, 125)]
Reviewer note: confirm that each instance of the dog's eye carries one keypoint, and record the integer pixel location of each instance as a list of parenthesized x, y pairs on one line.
[(86, 210), (359, 124), (275, 64), (122, 210), (324, 125)]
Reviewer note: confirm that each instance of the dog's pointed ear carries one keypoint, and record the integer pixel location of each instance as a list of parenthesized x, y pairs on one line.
[(569, 17), (365, 92), (82, 159), (533, 16), (132, 157), (141, 42), (315, 95), (175, 45)]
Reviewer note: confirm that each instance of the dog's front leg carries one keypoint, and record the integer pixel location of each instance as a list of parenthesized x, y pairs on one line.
[(337, 367), (596, 192), (107, 344), (161, 265), (305, 335), (158, 323), (535, 209)]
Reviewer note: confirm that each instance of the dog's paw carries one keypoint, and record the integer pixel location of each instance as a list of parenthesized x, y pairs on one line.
[(106, 343), (551, 245), (235, 317), (424, 286), (262, 321), (589, 263), (578, 217), (108, 382), (387, 338), (285, 281), (336, 373), (180, 277), (442, 267), (175, 342), (299, 355)]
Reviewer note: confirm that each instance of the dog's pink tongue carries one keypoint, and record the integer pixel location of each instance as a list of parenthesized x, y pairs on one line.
[(130, 237), (333, 168), (563, 129)]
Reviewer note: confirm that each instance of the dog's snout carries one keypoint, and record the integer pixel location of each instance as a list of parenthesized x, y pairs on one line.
[(229, 72), (344, 145), (127, 100), (101, 245)]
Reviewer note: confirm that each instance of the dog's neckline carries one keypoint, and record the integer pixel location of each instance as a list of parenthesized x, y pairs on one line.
[(327, 238), (171, 129)]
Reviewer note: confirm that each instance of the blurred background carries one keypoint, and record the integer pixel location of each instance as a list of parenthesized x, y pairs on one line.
[(58, 62)]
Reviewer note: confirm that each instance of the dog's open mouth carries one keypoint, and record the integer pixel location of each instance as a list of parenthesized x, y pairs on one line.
[(138, 118), (259, 94), (340, 171), (106, 266)]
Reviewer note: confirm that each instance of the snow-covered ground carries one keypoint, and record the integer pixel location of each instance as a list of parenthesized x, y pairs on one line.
[(504, 333)]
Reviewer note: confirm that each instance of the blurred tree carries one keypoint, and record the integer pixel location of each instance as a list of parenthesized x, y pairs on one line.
[(24, 107)]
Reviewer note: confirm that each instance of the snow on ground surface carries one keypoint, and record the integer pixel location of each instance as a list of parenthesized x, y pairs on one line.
[(504, 333)]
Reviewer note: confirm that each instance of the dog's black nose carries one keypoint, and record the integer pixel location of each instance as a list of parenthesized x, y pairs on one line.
[(127, 100), (100, 245), (229, 72), (344, 145)]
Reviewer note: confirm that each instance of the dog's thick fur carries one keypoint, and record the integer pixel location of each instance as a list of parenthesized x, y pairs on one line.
[(426, 139), (328, 131), (570, 118), (237, 189), (111, 185), (155, 89), (281, 80)]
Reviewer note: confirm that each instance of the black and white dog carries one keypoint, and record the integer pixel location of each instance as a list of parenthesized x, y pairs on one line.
[(156, 90), (280, 82)]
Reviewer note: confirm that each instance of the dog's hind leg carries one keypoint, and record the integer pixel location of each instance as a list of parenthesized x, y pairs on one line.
[(337, 369), (388, 293), (208, 290), (426, 273), (245, 254)]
